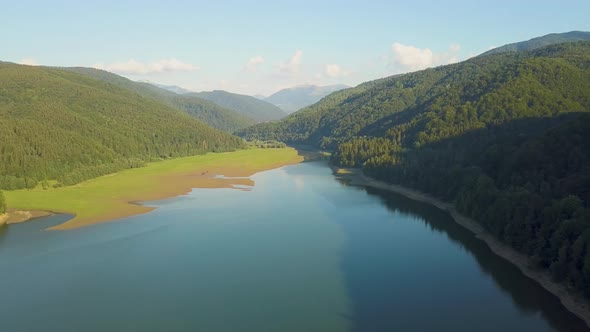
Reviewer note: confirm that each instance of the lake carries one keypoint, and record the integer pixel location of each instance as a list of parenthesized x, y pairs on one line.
[(299, 251)]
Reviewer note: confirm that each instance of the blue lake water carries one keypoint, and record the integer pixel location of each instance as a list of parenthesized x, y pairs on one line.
[(300, 251)]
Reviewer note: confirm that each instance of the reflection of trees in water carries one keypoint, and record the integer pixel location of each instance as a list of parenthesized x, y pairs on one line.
[(3, 231), (525, 293), (17, 234)]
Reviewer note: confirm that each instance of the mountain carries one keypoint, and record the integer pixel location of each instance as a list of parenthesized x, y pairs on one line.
[(504, 138), (172, 88), (293, 99), (258, 110), (261, 97), (61, 125), (550, 39), (420, 107), (204, 110)]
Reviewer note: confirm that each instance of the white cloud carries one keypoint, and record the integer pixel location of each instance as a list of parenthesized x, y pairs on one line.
[(253, 63), (134, 67), (293, 65), (28, 62), (411, 58), (335, 71)]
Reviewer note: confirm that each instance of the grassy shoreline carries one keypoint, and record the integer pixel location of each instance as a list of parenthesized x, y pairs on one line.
[(573, 302), (112, 196)]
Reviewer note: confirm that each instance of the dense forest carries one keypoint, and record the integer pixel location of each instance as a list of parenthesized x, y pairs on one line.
[(2, 203), (60, 125), (255, 109), (527, 182), (504, 137), (207, 111), (420, 107)]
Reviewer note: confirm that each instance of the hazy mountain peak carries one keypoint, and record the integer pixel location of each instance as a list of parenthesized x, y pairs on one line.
[(294, 98), (251, 107), (172, 88)]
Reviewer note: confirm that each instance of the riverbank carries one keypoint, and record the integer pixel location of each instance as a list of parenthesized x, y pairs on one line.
[(575, 303), (116, 195), (18, 216)]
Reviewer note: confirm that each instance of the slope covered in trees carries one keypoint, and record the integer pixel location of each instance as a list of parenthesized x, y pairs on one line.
[(538, 42), (504, 137), (425, 106), (2, 203), (527, 182), (60, 125), (256, 109), (212, 114)]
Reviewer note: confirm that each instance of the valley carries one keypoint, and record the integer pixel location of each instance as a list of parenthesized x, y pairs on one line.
[(365, 168)]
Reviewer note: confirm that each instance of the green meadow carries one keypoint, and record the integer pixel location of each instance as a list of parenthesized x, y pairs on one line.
[(109, 197)]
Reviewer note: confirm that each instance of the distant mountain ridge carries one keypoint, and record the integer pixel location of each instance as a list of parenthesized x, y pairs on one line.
[(251, 107), (172, 88), (293, 99), (202, 109), (538, 42)]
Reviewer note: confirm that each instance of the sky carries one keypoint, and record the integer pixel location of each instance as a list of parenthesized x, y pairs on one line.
[(259, 47)]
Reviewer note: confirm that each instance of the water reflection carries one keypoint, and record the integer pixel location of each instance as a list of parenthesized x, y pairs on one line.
[(371, 314)]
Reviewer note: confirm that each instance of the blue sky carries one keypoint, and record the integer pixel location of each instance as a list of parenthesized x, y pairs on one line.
[(258, 47)]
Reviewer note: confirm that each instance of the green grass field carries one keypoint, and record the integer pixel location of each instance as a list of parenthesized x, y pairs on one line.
[(108, 197)]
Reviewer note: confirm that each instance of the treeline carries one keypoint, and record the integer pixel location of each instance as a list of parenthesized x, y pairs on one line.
[(59, 125), (270, 144), (2, 203), (528, 183)]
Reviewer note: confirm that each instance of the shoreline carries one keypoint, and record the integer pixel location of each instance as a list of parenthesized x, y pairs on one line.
[(574, 303), (19, 216), (116, 196)]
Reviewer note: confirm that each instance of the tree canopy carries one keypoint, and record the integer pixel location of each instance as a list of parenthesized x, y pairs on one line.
[(207, 111), (248, 106), (2, 203), (61, 125)]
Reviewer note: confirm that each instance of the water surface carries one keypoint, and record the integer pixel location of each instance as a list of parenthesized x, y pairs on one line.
[(300, 251)]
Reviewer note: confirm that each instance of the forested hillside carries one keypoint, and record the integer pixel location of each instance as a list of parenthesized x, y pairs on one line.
[(526, 181), (212, 114), (256, 109), (504, 137), (60, 125), (2, 203), (538, 42), (417, 108)]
